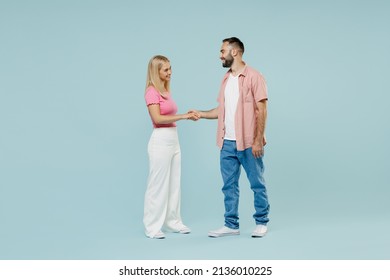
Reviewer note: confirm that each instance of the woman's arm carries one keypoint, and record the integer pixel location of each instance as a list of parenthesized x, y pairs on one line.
[(154, 111)]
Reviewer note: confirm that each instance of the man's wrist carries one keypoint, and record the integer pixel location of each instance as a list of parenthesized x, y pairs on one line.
[(258, 142)]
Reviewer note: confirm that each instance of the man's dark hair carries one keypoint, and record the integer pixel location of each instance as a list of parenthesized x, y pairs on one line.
[(235, 43)]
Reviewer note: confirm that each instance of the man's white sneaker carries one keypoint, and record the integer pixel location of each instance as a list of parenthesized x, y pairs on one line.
[(259, 231), (223, 231)]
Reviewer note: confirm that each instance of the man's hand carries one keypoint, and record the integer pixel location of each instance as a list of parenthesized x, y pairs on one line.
[(258, 149), (195, 113)]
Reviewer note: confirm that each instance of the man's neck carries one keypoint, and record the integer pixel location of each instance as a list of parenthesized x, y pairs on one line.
[(237, 67)]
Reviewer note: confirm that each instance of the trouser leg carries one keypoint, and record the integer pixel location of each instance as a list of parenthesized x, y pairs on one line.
[(230, 170), (173, 218), (156, 195), (254, 168)]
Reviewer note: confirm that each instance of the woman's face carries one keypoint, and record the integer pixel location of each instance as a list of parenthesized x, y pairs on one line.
[(165, 72)]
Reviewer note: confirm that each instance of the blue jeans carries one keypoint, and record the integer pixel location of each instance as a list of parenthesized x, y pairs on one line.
[(231, 161)]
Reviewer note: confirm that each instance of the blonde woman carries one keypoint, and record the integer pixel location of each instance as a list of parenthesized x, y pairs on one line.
[(162, 197)]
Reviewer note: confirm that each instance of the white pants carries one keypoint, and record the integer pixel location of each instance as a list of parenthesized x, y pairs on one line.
[(162, 197)]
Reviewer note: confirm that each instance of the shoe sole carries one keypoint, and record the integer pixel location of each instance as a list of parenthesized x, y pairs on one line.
[(258, 236), (216, 235), (157, 237)]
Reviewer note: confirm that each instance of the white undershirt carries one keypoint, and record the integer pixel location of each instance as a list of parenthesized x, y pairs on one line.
[(231, 100)]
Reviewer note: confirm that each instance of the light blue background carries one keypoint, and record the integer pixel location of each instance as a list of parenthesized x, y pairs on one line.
[(74, 127)]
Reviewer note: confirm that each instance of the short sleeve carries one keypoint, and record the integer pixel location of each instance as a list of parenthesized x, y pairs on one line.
[(260, 88), (152, 96)]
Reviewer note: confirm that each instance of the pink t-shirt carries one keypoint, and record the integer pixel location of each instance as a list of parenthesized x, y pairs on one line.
[(167, 105)]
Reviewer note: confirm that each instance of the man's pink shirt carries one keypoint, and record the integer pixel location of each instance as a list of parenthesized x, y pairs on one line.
[(252, 89)]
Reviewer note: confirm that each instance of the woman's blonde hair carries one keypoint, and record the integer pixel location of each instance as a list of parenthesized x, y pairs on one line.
[(153, 75)]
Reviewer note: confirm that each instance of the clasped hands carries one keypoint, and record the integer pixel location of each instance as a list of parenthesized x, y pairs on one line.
[(193, 115)]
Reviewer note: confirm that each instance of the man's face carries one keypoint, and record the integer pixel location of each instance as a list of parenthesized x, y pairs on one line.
[(226, 55)]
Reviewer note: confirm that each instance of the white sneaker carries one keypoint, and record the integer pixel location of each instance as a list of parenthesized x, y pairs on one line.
[(259, 231), (158, 235), (223, 231), (184, 230), (181, 229)]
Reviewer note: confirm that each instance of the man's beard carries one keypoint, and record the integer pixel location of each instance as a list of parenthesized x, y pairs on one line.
[(228, 61)]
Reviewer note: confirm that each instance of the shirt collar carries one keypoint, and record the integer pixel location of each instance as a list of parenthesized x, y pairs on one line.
[(243, 72)]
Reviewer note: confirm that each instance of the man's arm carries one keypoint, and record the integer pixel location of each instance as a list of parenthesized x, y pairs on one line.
[(259, 139), (210, 114)]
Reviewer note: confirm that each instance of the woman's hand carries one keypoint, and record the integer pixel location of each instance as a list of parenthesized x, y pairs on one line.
[(193, 115)]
